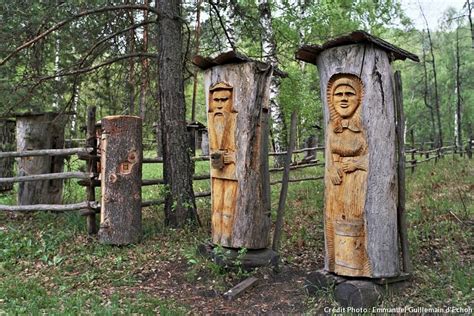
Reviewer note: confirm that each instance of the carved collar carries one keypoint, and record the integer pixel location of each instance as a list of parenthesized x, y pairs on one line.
[(352, 124)]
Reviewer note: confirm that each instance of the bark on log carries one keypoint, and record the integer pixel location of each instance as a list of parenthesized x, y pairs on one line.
[(400, 127), (7, 143), (239, 155), (48, 176), (379, 221), (121, 161), (43, 131), (50, 207)]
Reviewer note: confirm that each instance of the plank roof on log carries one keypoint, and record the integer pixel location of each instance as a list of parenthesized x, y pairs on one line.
[(231, 57), (308, 53)]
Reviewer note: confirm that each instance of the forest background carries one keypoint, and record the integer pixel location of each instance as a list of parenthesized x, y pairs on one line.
[(104, 54), (69, 55)]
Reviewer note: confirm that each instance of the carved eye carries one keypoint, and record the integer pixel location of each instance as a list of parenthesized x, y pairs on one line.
[(339, 94), (350, 94)]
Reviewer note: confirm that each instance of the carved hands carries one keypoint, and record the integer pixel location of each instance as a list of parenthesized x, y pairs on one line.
[(229, 157), (354, 164), (221, 158), (335, 174)]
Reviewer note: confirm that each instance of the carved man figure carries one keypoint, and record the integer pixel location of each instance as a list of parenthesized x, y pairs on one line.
[(346, 178), (222, 125)]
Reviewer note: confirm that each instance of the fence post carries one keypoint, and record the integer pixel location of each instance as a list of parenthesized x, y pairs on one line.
[(413, 158), (121, 177), (91, 141)]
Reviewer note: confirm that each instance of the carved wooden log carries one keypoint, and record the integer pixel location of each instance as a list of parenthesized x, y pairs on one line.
[(361, 169), (361, 211), (237, 100), (40, 131), (7, 143), (361, 189), (121, 161)]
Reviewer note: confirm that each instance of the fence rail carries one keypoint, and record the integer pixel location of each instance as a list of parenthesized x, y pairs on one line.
[(47, 152), (90, 179)]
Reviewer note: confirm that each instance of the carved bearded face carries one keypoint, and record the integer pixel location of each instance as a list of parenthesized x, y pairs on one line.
[(221, 102), (346, 100)]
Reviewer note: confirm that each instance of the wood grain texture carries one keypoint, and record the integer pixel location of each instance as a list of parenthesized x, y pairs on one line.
[(40, 132), (377, 120), (7, 143), (241, 193), (121, 161)]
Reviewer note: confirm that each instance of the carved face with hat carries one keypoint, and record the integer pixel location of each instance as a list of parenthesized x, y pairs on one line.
[(344, 95)]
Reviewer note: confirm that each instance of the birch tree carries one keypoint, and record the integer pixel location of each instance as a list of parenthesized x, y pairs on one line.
[(269, 49)]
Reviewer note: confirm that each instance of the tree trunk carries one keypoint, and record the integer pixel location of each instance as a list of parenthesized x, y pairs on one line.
[(439, 138), (7, 143), (130, 81), (425, 99), (469, 13), (180, 205), (458, 96), (158, 137), (279, 129), (196, 52), (205, 144), (41, 131), (237, 97), (145, 67), (121, 176), (361, 168)]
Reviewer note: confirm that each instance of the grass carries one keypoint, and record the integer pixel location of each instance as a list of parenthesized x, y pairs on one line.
[(48, 264)]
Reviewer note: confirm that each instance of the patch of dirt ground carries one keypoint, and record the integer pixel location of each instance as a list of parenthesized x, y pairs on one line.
[(281, 293)]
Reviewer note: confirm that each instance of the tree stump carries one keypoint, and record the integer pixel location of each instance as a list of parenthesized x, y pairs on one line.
[(356, 80), (237, 94), (121, 175), (7, 143), (40, 131), (310, 142)]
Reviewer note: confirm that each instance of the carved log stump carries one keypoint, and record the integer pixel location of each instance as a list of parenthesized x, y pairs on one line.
[(121, 174), (40, 131), (237, 97), (310, 142), (7, 143), (361, 191)]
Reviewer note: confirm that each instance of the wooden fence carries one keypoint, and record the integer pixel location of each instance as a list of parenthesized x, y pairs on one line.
[(90, 179)]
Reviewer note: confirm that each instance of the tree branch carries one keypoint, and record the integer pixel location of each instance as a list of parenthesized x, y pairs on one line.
[(92, 68), (213, 5), (70, 19)]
